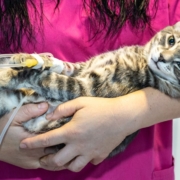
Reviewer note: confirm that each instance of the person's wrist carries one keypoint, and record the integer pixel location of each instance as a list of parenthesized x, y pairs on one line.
[(131, 110)]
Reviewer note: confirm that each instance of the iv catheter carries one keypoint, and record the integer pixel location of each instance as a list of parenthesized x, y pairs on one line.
[(28, 63), (35, 62)]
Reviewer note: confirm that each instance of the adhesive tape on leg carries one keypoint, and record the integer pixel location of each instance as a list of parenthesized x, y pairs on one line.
[(57, 64), (40, 61)]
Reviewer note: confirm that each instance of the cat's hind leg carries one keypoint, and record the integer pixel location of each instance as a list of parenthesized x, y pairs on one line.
[(41, 124), (10, 99)]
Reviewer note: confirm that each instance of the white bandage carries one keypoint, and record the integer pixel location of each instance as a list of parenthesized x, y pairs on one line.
[(57, 65), (40, 61)]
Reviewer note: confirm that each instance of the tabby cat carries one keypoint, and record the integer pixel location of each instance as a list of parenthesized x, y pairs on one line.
[(112, 74)]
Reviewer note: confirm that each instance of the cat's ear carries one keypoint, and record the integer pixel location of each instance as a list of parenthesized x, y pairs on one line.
[(177, 26)]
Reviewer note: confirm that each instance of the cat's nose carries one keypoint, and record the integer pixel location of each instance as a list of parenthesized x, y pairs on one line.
[(161, 58)]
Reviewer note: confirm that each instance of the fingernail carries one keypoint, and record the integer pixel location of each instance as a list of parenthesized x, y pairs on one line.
[(43, 162), (48, 116), (23, 146), (42, 106)]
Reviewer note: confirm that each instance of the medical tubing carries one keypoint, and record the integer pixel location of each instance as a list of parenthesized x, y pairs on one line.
[(10, 120)]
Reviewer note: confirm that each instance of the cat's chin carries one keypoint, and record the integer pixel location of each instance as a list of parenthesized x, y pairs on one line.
[(154, 63), (162, 70)]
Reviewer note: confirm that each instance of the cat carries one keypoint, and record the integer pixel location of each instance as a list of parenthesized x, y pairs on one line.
[(111, 74)]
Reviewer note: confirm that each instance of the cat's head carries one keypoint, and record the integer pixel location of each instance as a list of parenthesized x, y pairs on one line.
[(164, 53)]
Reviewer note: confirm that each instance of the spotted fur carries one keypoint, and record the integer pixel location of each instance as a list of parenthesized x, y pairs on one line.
[(112, 74)]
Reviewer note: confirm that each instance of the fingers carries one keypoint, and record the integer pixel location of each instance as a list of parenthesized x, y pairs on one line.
[(65, 110), (66, 158), (62, 157), (76, 165), (51, 150), (52, 168), (48, 139), (97, 161), (30, 111), (45, 163), (56, 136)]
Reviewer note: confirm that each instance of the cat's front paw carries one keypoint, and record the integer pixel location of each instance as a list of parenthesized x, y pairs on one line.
[(23, 60), (38, 61), (20, 58)]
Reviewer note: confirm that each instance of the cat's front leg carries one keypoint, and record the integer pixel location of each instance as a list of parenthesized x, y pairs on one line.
[(48, 62), (37, 61), (20, 58)]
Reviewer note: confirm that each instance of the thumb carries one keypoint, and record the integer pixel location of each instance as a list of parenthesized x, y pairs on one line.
[(65, 110), (30, 111)]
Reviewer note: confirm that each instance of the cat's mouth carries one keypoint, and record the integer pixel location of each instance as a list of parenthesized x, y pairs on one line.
[(156, 63)]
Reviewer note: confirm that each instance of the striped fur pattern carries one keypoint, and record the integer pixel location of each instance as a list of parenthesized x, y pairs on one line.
[(112, 74)]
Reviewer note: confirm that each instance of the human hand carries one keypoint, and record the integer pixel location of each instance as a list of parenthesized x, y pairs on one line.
[(94, 131), (9, 149), (100, 124)]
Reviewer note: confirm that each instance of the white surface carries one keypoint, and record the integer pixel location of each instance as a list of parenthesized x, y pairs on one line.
[(176, 147)]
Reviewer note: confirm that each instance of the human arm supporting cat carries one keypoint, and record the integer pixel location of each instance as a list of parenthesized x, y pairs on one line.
[(99, 125)]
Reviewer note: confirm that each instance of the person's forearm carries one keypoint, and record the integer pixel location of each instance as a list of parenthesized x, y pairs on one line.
[(149, 107), (97, 122)]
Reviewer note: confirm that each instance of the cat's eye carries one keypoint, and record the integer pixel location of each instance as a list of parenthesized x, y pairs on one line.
[(171, 40)]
